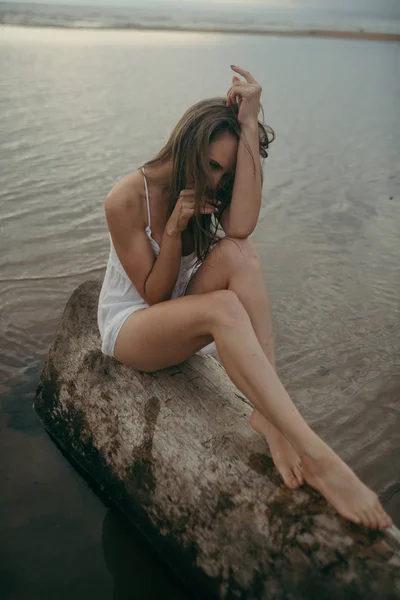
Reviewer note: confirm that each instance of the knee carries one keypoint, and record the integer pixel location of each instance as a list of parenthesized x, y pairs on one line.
[(226, 308), (239, 252)]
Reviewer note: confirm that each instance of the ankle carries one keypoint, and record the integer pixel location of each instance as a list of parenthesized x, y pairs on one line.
[(318, 457), (316, 450)]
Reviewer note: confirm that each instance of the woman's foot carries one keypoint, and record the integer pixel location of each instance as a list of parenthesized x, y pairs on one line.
[(325, 472), (342, 488), (283, 454)]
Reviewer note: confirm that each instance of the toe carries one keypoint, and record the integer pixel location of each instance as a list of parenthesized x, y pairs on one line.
[(373, 518), (292, 482), (381, 518), (355, 518), (365, 518), (289, 479), (384, 521), (299, 474), (295, 483)]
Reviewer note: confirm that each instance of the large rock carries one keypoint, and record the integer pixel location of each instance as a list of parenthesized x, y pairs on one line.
[(174, 451)]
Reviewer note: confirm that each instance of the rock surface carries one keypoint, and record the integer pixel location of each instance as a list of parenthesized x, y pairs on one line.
[(174, 451)]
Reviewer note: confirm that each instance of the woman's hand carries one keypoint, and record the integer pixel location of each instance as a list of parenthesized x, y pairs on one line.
[(247, 94), (184, 209)]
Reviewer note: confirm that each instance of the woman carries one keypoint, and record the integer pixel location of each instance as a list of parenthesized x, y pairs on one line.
[(198, 289)]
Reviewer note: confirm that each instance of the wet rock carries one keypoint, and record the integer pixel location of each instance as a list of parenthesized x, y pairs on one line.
[(173, 450)]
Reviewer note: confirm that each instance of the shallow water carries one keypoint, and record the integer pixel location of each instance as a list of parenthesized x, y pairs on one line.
[(81, 109)]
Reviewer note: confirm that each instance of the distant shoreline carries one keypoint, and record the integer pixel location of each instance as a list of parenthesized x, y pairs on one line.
[(322, 33)]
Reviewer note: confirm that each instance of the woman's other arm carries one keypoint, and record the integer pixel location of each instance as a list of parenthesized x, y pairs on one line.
[(154, 278)]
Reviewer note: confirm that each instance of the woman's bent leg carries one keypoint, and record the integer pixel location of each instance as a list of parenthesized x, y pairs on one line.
[(169, 332), (234, 264), (164, 334)]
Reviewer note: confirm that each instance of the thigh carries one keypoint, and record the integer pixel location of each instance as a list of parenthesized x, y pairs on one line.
[(164, 334)]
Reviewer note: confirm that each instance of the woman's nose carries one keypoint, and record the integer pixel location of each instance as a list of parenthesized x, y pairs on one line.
[(217, 178)]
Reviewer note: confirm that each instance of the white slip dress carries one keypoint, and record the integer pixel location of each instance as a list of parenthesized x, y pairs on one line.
[(119, 298)]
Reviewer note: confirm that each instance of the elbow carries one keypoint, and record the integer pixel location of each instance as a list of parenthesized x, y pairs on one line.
[(153, 298), (149, 298), (152, 301), (240, 233), (239, 230)]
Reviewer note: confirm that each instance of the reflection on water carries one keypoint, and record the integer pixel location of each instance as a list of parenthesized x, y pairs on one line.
[(55, 36), (137, 571)]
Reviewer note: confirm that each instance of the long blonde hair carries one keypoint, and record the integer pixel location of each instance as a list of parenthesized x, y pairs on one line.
[(187, 150)]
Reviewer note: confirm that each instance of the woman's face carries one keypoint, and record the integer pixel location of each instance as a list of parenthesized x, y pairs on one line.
[(222, 155)]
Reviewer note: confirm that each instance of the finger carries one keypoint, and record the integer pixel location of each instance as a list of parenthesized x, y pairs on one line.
[(188, 208), (208, 211), (212, 205), (233, 95), (239, 88), (239, 85), (227, 96), (187, 192), (246, 74), (231, 92), (235, 79), (207, 203), (206, 200)]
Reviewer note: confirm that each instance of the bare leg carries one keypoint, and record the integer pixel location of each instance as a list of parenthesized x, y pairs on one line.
[(253, 374), (249, 285), (170, 332), (237, 266)]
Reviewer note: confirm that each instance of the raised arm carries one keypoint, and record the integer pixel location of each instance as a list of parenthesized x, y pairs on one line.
[(241, 218)]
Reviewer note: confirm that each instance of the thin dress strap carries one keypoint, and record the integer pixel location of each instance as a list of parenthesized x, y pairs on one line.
[(147, 196)]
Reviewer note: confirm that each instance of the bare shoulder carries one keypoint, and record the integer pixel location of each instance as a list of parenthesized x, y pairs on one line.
[(126, 201)]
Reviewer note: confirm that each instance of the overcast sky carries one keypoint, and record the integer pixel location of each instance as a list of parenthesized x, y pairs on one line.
[(385, 9), (370, 5)]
